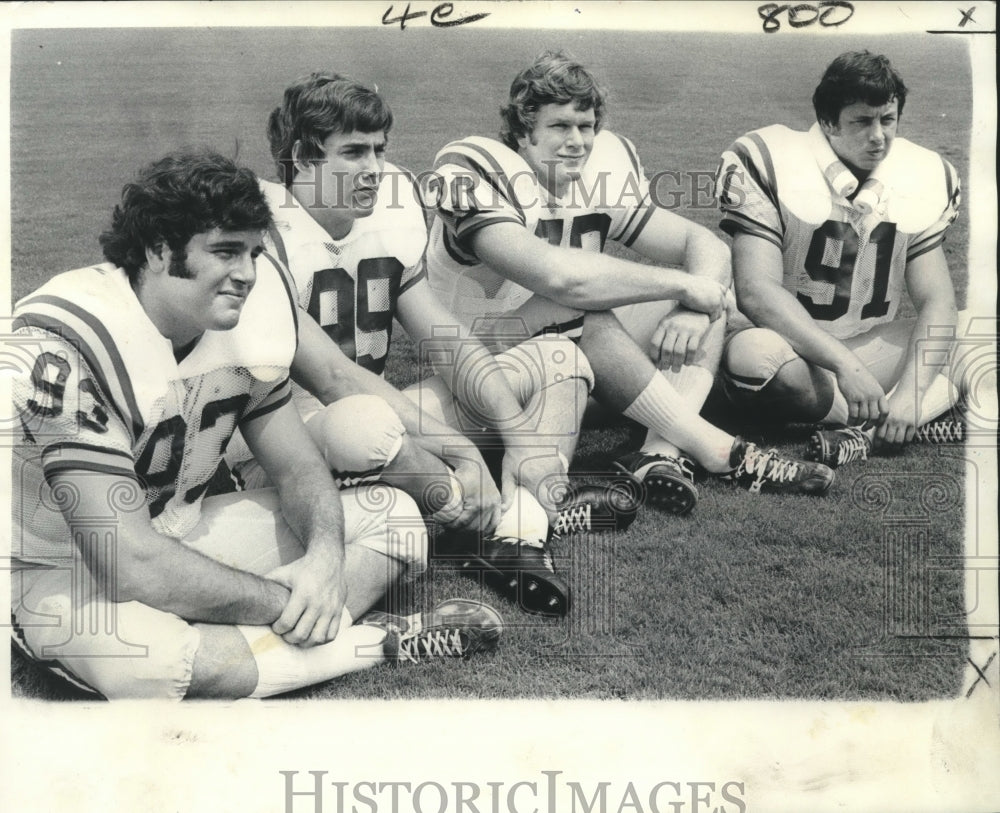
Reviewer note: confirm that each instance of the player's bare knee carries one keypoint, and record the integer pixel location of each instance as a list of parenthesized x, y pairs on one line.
[(358, 435)]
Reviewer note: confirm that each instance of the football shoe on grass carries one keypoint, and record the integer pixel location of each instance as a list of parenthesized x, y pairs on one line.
[(766, 471), (589, 508), (521, 571), (943, 430), (837, 447), (667, 482), (847, 444), (456, 628)]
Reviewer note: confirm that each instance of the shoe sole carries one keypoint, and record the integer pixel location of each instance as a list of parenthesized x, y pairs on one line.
[(817, 452), (530, 590), (665, 492)]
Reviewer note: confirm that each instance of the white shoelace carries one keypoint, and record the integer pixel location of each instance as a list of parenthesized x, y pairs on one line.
[(941, 432), (853, 448), (768, 465), (439, 643), (576, 518)]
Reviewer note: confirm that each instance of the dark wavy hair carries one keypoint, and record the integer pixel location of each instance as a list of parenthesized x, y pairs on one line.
[(553, 78), (316, 106), (857, 76), (177, 197)]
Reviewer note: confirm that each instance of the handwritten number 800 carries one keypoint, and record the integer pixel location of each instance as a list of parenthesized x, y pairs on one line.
[(798, 15)]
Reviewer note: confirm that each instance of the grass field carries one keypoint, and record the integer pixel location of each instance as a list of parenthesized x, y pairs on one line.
[(847, 597)]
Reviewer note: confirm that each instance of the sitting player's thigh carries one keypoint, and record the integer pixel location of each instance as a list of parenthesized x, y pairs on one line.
[(245, 530), (63, 619), (641, 319), (529, 368), (387, 520), (883, 350)]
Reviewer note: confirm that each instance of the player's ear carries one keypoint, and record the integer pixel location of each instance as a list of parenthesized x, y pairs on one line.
[(300, 164), (156, 257)]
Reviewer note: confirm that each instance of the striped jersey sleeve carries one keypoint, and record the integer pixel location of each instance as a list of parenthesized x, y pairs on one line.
[(629, 202), (933, 236), (473, 189), (746, 190), (64, 407), (276, 398)]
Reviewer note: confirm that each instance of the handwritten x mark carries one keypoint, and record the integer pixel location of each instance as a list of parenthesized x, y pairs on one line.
[(966, 17), (981, 671)]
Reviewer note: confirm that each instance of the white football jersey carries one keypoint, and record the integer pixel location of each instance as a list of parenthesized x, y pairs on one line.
[(350, 286), (103, 392), (480, 182), (847, 268)]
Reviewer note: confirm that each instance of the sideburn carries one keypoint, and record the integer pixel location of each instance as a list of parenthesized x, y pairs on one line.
[(178, 264)]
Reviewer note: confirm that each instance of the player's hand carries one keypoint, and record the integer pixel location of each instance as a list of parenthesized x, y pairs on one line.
[(312, 614), (867, 404), (678, 337), (704, 295), (901, 424), (539, 473), (478, 508)]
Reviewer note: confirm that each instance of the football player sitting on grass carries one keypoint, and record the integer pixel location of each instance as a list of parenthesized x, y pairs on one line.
[(128, 580), (520, 233), (829, 227), (350, 228)]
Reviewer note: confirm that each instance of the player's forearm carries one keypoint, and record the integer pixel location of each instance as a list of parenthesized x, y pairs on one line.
[(311, 505), (705, 255), (597, 282), (770, 305)]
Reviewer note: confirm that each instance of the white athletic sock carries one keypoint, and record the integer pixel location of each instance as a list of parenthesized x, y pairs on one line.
[(282, 667), (693, 384), (660, 408), (525, 519)]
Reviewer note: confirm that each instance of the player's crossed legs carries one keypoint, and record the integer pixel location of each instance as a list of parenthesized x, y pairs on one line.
[(763, 373)]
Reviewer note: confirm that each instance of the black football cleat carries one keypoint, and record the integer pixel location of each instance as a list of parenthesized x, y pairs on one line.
[(668, 482), (768, 472), (522, 572), (838, 447), (589, 508)]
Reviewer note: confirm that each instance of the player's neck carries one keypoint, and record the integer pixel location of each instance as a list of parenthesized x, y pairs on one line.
[(334, 223), (182, 338), (860, 174)]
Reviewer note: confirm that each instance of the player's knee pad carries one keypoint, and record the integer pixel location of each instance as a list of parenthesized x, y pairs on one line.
[(752, 358), (359, 436)]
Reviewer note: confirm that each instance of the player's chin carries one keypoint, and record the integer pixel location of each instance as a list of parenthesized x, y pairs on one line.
[(228, 318)]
